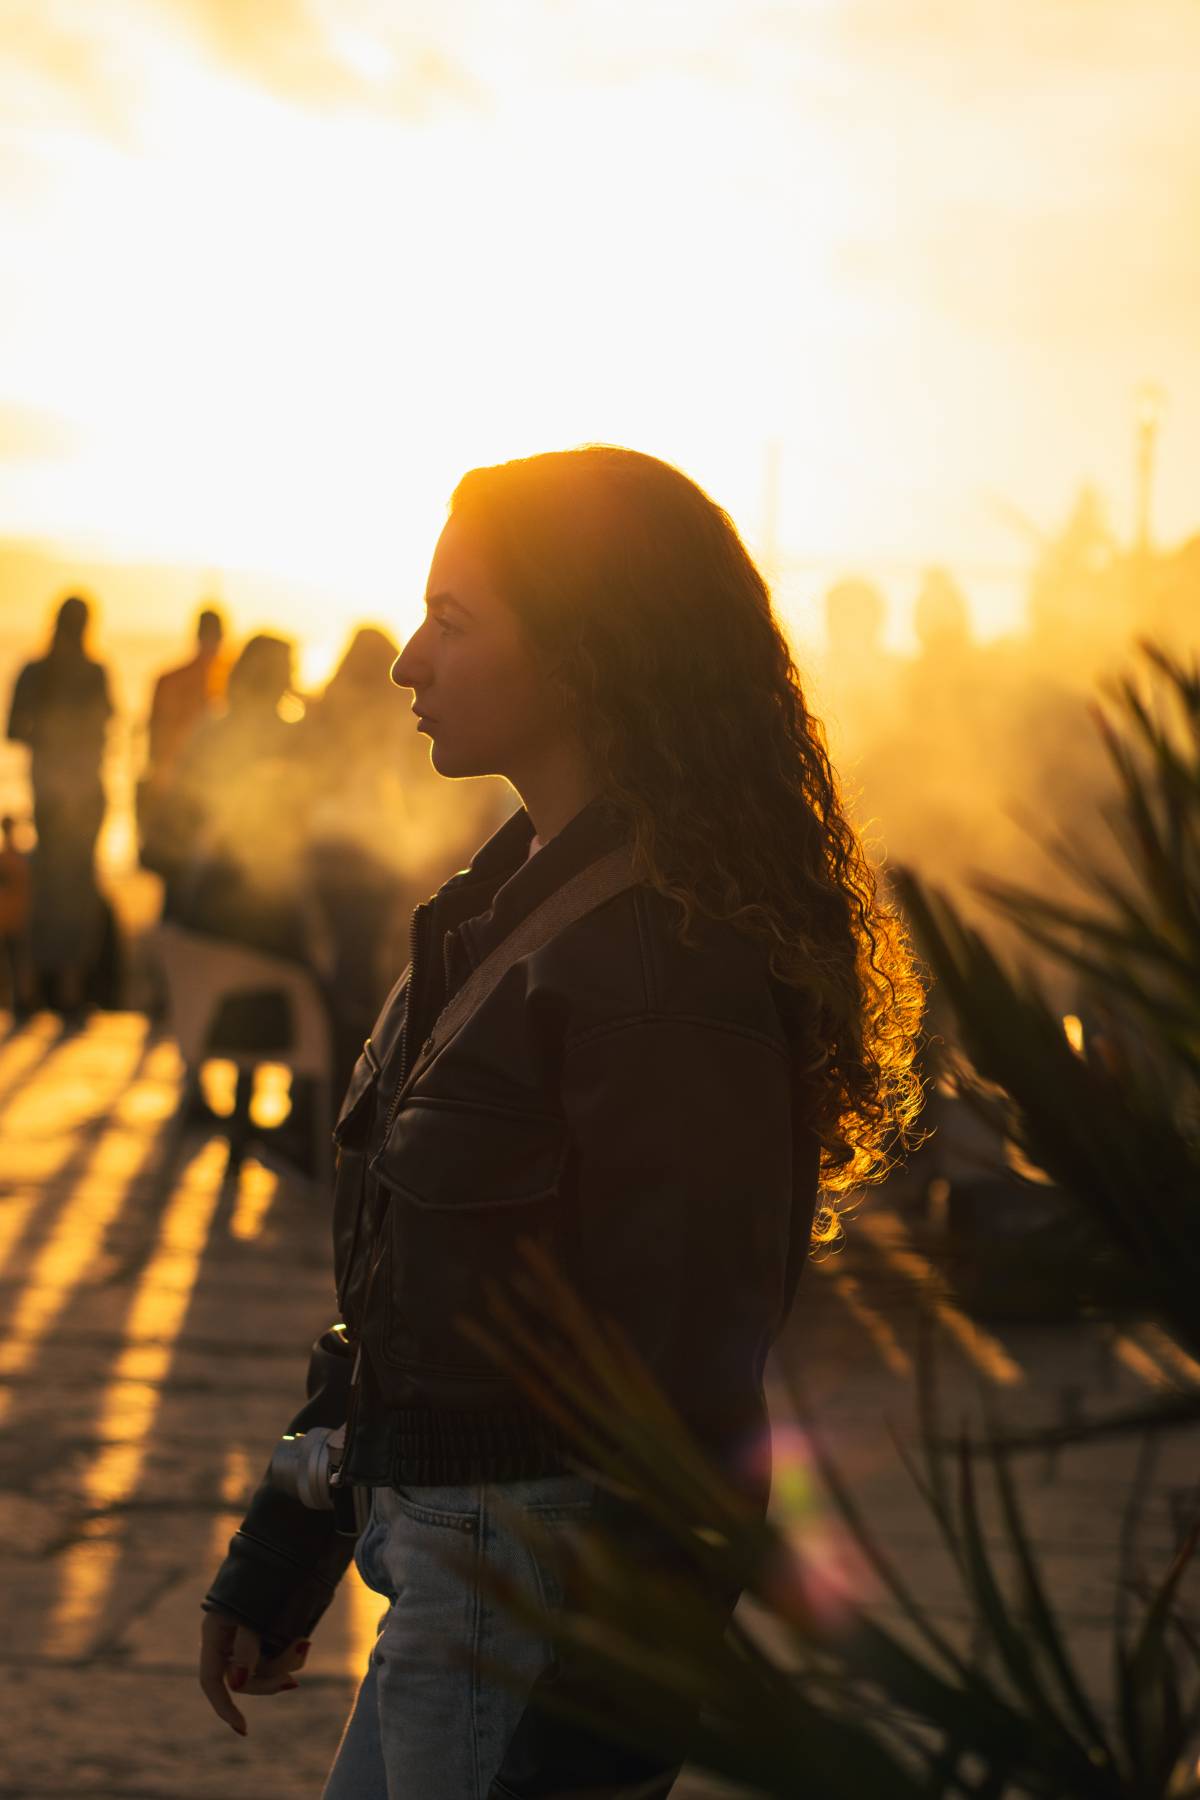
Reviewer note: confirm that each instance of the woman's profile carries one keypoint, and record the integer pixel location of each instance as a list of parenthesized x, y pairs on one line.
[(660, 1014)]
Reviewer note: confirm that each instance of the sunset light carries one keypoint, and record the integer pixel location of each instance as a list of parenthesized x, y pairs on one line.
[(599, 879), (264, 304)]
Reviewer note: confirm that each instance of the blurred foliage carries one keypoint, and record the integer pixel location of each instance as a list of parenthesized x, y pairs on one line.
[(809, 1689), (1115, 1126)]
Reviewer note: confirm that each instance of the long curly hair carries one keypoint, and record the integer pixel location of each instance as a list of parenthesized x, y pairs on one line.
[(639, 594)]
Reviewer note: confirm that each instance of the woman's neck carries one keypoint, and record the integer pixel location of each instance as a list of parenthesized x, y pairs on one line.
[(553, 794)]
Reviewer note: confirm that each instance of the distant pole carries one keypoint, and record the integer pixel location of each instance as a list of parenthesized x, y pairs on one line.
[(1150, 401)]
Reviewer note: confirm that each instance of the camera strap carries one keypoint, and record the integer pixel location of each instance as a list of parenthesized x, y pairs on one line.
[(608, 876)]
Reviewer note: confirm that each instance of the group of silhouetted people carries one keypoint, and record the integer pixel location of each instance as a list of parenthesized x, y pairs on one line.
[(273, 824), (281, 833)]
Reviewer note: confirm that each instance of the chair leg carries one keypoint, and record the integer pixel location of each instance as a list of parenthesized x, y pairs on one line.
[(241, 1131), (190, 1109)]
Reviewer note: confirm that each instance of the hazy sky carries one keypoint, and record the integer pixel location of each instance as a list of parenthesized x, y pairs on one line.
[(276, 271)]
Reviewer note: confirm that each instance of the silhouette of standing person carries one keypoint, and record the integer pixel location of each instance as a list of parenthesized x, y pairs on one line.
[(184, 696), (60, 709), (354, 742), (232, 852), (182, 699)]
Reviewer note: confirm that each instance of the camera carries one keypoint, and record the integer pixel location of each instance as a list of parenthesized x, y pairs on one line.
[(304, 1463)]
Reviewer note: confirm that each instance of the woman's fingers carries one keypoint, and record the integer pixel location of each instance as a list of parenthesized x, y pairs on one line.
[(243, 1658), (216, 1645), (274, 1674), (231, 1658)]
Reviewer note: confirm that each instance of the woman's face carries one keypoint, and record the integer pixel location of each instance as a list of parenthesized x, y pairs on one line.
[(479, 692)]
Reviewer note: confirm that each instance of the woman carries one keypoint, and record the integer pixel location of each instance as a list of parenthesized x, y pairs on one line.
[(651, 1091), (61, 709)]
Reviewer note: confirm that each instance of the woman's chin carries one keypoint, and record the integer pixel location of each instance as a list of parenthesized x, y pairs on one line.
[(448, 764)]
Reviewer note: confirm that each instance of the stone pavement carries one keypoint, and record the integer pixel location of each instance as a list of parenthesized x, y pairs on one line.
[(158, 1323)]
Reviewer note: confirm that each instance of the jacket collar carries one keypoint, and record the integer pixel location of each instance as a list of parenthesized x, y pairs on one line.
[(519, 882)]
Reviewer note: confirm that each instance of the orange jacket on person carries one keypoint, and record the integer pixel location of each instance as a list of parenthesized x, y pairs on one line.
[(15, 892), (182, 697)]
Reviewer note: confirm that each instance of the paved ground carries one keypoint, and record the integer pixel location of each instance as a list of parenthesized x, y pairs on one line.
[(158, 1323)]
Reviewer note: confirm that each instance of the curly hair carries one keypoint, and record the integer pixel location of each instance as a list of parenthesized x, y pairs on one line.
[(638, 591)]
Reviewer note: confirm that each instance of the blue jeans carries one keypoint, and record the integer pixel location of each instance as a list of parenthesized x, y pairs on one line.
[(426, 1726)]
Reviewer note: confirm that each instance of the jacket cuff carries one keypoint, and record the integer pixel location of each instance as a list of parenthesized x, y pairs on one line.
[(280, 1588), (286, 1559)]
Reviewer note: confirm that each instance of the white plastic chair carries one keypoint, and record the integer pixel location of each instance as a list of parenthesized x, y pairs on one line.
[(200, 973)]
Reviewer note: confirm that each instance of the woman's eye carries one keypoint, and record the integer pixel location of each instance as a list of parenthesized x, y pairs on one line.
[(445, 626)]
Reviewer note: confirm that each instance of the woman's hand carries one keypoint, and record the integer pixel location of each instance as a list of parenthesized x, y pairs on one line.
[(232, 1652)]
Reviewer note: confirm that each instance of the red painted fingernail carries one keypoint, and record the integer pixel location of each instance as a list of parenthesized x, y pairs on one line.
[(304, 1644), (238, 1678)]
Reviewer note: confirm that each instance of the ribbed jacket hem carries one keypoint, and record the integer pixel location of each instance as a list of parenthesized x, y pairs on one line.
[(423, 1446)]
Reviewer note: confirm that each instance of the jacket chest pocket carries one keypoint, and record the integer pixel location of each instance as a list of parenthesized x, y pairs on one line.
[(467, 1183), (472, 1158)]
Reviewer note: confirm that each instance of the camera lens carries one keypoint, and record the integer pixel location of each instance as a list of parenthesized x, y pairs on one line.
[(302, 1463)]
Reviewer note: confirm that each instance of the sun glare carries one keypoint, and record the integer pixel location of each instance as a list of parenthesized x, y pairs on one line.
[(297, 343), (267, 323)]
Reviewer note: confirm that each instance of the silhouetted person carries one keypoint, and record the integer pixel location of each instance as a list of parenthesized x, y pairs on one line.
[(184, 696), (61, 709), (182, 699), (949, 685), (236, 818), (942, 617), (356, 744), (16, 890)]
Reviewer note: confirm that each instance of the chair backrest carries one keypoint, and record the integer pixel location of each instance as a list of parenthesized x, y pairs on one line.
[(200, 973)]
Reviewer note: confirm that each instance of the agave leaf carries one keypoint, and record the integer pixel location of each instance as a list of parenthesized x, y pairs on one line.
[(1135, 1175), (1147, 1675), (605, 1406), (938, 1492), (1013, 1645), (623, 1376), (1040, 1610), (866, 1540), (649, 1664)]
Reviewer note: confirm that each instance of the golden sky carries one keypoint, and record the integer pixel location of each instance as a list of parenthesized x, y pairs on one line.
[(276, 271)]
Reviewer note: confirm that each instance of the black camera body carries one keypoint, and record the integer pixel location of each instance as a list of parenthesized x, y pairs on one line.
[(306, 1461)]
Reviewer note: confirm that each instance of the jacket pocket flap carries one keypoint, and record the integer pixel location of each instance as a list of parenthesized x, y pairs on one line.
[(444, 1155), (353, 1121)]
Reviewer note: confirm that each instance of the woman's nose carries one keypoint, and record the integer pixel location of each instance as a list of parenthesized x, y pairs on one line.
[(406, 671), (412, 667)]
